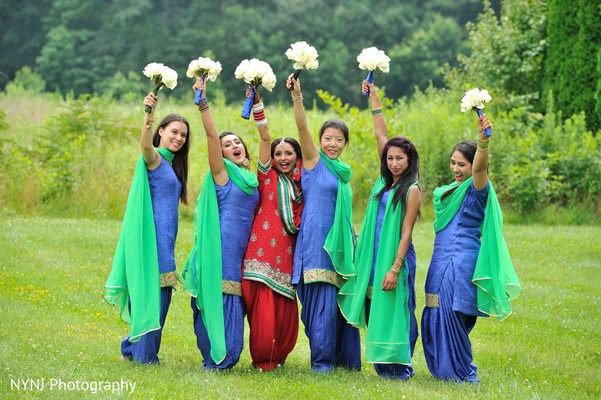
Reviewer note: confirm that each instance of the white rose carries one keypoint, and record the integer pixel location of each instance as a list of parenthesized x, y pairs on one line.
[(241, 69), (169, 77), (193, 68), (268, 81), (153, 69)]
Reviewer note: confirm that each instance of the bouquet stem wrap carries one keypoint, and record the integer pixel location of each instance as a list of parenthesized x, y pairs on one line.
[(369, 79), (248, 104), (148, 109), (487, 131), (198, 94)]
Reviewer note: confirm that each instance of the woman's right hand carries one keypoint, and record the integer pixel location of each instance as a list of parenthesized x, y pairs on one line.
[(293, 85), (200, 84), (150, 100)]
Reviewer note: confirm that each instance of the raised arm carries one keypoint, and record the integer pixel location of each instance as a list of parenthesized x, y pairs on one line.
[(150, 154), (216, 163), (414, 201), (480, 164), (261, 122), (310, 153), (380, 128)]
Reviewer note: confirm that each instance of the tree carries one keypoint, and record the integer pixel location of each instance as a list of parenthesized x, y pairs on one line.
[(574, 35)]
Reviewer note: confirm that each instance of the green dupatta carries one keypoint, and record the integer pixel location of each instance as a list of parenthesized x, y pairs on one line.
[(134, 283), (340, 242), (388, 331), (202, 274), (495, 277)]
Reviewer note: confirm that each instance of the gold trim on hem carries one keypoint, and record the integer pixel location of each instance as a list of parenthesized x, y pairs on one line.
[(231, 287)]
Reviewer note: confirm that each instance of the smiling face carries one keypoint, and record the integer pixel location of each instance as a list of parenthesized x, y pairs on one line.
[(397, 162), (460, 167), (173, 136), (233, 149), (332, 142), (284, 158)]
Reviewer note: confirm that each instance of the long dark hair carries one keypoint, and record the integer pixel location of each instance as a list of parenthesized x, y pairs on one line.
[(292, 142), (467, 148), (180, 161), (224, 134), (409, 176)]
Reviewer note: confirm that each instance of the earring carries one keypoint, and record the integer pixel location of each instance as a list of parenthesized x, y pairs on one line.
[(246, 163), (295, 171)]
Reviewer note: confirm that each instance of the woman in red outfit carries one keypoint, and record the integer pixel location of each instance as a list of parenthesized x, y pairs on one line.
[(269, 297)]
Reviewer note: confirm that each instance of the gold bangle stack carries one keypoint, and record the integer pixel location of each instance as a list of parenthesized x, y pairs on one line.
[(296, 99), (483, 145)]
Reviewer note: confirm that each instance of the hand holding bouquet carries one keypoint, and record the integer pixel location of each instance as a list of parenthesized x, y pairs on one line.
[(160, 75), (254, 72), (371, 59), (203, 68), (304, 57), (474, 100)]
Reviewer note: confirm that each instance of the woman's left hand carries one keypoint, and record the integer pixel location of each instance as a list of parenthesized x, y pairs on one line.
[(390, 281)]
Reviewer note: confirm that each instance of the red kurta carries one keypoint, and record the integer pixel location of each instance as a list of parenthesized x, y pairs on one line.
[(269, 297)]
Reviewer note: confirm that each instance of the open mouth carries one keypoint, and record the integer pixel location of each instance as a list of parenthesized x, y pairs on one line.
[(237, 153)]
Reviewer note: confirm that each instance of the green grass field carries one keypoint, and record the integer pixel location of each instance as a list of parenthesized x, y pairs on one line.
[(56, 326)]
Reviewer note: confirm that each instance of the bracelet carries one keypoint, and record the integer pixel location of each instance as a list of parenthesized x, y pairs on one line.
[(297, 99), (377, 111), (483, 144), (148, 122), (203, 105), (395, 271), (259, 114)]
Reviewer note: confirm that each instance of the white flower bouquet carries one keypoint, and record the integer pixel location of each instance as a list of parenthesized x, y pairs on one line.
[(254, 72), (204, 68), (372, 59), (474, 100), (160, 75), (304, 57)]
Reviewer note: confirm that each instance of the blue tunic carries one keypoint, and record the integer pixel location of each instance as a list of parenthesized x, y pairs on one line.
[(320, 189), (236, 213), (332, 340), (165, 191), (451, 312)]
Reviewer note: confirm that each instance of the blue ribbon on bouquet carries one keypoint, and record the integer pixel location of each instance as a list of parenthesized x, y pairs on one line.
[(487, 131), (369, 79), (248, 104), (198, 94)]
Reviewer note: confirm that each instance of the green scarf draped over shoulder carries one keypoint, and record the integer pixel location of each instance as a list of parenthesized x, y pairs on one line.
[(202, 274), (340, 241), (495, 277), (134, 283), (388, 331)]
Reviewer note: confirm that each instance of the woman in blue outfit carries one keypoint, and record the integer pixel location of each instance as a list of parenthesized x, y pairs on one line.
[(325, 243), (143, 273), (470, 274), (223, 219), (382, 295)]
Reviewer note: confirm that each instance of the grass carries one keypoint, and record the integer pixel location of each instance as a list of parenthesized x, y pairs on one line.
[(55, 325)]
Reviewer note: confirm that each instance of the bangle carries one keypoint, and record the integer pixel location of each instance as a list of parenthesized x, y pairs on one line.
[(395, 271), (483, 144), (297, 99), (203, 105), (377, 111), (259, 114), (148, 122)]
